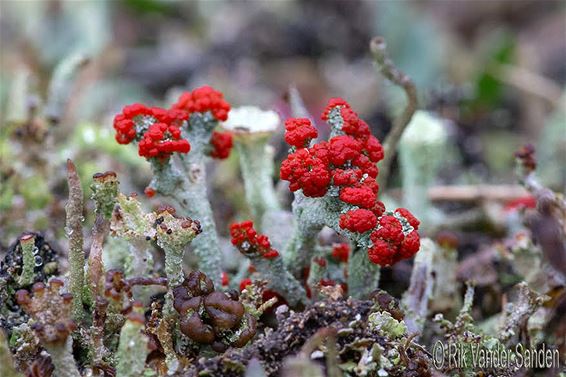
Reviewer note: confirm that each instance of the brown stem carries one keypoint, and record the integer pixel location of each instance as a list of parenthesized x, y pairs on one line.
[(97, 334), (140, 280), (378, 49)]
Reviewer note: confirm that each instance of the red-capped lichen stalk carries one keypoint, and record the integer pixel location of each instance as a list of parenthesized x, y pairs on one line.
[(266, 261), (158, 131), (340, 175), (186, 131)]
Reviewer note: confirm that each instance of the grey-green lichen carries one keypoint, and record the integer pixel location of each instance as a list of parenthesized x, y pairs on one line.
[(171, 233), (62, 359), (74, 231), (386, 325), (256, 163), (421, 150), (61, 84), (133, 346), (311, 215), (27, 243), (363, 276), (186, 185), (104, 192), (279, 278)]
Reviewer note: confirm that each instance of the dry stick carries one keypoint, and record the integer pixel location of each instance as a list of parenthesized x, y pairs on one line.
[(99, 350), (74, 231), (141, 280), (475, 193), (378, 49)]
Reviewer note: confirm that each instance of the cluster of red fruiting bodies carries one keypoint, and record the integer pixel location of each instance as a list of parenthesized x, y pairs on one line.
[(158, 131), (347, 162), (249, 242)]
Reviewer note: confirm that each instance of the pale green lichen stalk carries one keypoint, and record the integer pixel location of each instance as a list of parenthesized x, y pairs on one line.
[(308, 222), (188, 188), (279, 279), (174, 235), (421, 150), (62, 359), (252, 128), (171, 233), (27, 244), (363, 276), (311, 215), (104, 192), (257, 170), (133, 346), (61, 85), (131, 223), (74, 231)]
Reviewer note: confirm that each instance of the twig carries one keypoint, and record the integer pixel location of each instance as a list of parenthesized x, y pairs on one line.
[(470, 193), (378, 49), (475, 193), (140, 280), (74, 231), (548, 226)]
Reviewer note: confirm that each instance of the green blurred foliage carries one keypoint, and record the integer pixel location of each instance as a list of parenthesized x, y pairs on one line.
[(151, 6), (551, 149), (489, 90)]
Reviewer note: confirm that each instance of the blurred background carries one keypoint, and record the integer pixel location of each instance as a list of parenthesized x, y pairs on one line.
[(495, 71)]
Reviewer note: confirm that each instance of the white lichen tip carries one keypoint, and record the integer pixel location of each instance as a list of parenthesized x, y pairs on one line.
[(251, 119), (425, 128)]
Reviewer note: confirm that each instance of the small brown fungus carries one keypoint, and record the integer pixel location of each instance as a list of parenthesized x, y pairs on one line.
[(198, 284), (247, 333), (223, 311), (197, 330), (211, 317)]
